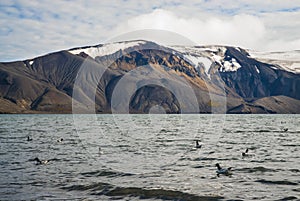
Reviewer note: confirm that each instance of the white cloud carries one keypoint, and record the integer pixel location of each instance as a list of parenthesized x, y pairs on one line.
[(239, 30), (31, 28)]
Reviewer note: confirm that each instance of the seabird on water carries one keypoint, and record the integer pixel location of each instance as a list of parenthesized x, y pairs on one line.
[(225, 171), (198, 146)]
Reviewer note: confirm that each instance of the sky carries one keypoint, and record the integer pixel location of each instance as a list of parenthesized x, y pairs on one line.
[(36, 27)]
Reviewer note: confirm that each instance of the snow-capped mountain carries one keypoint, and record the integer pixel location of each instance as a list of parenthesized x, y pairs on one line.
[(289, 61), (250, 81)]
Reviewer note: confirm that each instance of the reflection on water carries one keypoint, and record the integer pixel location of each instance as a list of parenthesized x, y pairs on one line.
[(108, 157)]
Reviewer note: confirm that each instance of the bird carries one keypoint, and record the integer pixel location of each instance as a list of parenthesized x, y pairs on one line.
[(225, 171), (198, 146), (41, 162), (245, 153), (60, 140), (28, 138), (285, 129), (100, 151)]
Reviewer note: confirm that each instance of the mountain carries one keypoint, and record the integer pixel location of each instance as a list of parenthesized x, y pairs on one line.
[(142, 76)]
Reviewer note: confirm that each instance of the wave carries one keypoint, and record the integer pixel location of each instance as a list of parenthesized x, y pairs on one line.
[(141, 193), (290, 145), (284, 182), (294, 170), (106, 173), (260, 131), (81, 187), (253, 131), (168, 131), (257, 169), (159, 194), (288, 198)]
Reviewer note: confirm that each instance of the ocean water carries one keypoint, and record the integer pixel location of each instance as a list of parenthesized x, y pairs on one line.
[(149, 157)]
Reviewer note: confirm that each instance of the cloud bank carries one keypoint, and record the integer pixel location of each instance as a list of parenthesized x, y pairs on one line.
[(238, 30), (32, 28)]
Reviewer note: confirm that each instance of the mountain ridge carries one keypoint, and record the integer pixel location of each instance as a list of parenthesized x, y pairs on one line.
[(45, 84)]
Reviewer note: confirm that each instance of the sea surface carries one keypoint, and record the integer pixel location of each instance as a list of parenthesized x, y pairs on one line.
[(149, 157)]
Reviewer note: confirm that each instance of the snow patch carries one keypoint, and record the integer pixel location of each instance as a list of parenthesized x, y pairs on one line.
[(289, 61), (238, 49), (196, 61), (218, 59), (207, 55), (257, 70), (106, 49), (199, 50), (200, 55), (296, 66), (230, 66), (235, 63), (273, 67)]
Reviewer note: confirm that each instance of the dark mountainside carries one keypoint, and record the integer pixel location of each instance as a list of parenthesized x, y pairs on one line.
[(46, 84)]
